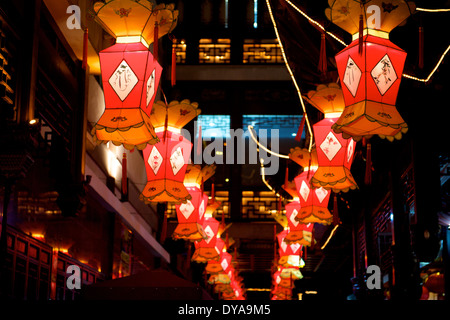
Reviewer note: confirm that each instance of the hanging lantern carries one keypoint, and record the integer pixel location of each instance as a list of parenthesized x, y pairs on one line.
[(191, 216), (223, 264), (289, 253), (298, 232), (334, 153), (211, 247), (313, 201), (370, 68), (130, 74), (166, 161)]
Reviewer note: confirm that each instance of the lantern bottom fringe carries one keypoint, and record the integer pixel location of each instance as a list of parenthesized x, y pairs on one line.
[(203, 255), (298, 236), (165, 190), (336, 178), (189, 231), (367, 118), (314, 214), (219, 278), (288, 273), (128, 127)]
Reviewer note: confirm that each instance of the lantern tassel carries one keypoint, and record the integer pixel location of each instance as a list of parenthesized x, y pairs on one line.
[(361, 29), (323, 55), (85, 49), (368, 176), (420, 64), (166, 123), (213, 192), (174, 63), (335, 211), (298, 137), (306, 254), (124, 176), (155, 41)]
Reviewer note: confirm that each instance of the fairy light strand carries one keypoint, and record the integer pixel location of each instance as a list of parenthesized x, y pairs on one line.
[(250, 129), (308, 124), (424, 80)]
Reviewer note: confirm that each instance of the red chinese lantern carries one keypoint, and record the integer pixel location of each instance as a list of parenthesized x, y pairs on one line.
[(223, 264), (334, 153), (191, 216), (289, 254), (370, 68), (130, 74), (298, 232), (313, 201), (166, 162), (211, 247)]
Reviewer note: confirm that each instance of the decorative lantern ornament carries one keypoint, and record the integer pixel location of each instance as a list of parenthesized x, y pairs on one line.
[(334, 153), (211, 247), (290, 254), (191, 216), (166, 161), (298, 232), (130, 74), (370, 68), (313, 201), (223, 264)]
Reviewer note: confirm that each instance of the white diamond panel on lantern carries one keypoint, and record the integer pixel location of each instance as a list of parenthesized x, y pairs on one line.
[(154, 160), (352, 76), (176, 160), (292, 218), (186, 209), (321, 193), (295, 247), (151, 86), (384, 74), (224, 264), (123, 80), (209, 233), (330, 146), (201, 209), (304, 190), (350, 150)]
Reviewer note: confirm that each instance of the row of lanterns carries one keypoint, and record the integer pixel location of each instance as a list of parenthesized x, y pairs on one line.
[(370, 71)]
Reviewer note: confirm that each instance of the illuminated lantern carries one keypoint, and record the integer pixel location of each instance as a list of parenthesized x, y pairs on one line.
[(208, 249), (191, 216), (298, 232), (289, 253), (130, 74), (166, 162), (313, 201), (334, 153), (223, 264), (370, 68)]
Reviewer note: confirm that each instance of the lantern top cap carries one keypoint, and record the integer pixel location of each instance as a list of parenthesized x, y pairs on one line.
[(179, 113), (123, 18), (302, 157), (195, 174), (327, 98), (377, 14)]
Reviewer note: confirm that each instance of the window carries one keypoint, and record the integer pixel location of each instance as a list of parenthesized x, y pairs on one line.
[(214, 51), (214, 126), (262, 51)]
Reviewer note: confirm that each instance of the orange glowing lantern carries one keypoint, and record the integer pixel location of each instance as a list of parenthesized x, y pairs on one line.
[(289, 253), (298, 232), (313, 201), (223, 264), (370, 68), (191, 215), (209, 248), (130, 74), (166, 162), (334, 153)]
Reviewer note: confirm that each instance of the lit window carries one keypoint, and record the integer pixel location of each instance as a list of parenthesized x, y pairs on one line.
[(214, 126), (287, 125), (255, 14), (217, 51)]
